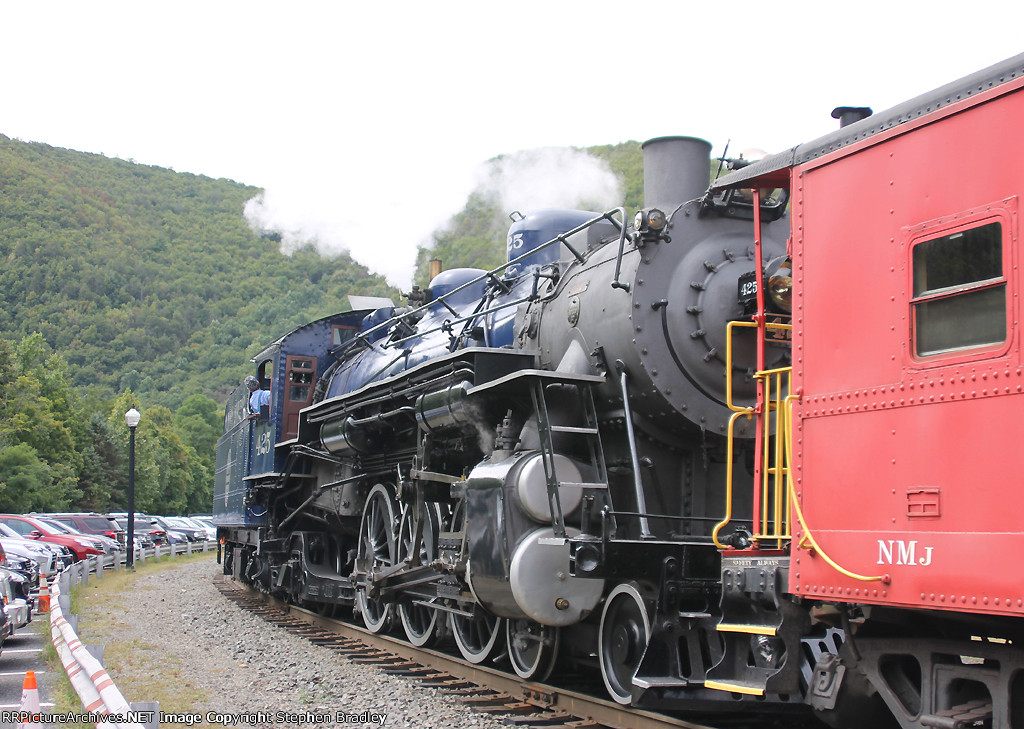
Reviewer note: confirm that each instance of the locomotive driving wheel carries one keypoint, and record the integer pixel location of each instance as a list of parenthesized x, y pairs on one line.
[(377, 549), (622, 640), (421, 623), (532, 648), (477, 636)]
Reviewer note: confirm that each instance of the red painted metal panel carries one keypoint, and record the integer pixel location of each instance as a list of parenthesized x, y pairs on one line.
[(908, 467)]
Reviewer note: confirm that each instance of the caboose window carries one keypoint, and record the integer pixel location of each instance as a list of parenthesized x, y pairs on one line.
[(959, 291)]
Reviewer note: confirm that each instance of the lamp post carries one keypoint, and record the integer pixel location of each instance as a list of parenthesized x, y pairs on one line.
[(131, 419)]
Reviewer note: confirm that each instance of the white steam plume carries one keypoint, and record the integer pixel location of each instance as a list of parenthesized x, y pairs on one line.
[(551, 177), (383, 236)]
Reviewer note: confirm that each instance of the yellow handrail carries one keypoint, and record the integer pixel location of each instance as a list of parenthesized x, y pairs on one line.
[(780, 494), (808, 537), (728, 362), (749, 412), (775, 485)]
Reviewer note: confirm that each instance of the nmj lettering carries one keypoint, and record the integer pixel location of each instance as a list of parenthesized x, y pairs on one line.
[(904, 553)]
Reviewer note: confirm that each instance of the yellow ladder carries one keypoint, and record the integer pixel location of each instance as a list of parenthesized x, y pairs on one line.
[(774, 497)]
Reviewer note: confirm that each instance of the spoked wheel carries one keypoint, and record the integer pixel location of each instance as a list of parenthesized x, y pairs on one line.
[(625, 632), (477, 637), (377, 548), (532, 648), (422, 625)]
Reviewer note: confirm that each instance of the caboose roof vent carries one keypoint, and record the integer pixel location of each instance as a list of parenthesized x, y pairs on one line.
[(849, 114)]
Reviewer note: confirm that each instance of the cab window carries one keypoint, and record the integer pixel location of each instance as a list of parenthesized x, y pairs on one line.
[(959, 291), (300, 379), (341, 334)]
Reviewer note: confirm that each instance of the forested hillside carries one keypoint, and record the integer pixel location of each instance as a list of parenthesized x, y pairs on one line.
[(149, 279), (62, 450), (123, 285)]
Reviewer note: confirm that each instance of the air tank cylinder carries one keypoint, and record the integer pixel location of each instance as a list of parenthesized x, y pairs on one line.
[(343, 436), (443, 409)]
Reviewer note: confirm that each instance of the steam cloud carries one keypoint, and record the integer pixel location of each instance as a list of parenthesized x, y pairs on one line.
[(551, 177), (305, 212)]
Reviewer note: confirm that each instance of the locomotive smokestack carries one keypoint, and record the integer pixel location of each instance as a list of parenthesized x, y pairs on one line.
[(849, 114), (676, 170)]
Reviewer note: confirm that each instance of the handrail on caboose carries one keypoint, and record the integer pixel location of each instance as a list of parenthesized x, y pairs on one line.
[(772, 494)]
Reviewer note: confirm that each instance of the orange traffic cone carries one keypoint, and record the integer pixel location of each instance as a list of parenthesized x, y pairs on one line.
[(29, 701), (43, 603)]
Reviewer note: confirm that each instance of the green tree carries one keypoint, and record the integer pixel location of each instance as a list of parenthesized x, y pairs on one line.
[(175, 474), (103, 478), (199, 422), (26, 482), (37, 414)]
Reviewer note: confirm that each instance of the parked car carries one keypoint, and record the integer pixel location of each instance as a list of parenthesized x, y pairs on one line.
[(108, 545), (81, 545), (193, 532), (14, 594), (23, 557), (51, 558), (144, 525), (91, 523), (18, 610), (143, 539), (206, 523), (26, 568), (174, 534), (6, 626)]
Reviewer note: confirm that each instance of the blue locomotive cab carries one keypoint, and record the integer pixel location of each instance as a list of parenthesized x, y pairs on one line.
[(234, 462), (254, 446)]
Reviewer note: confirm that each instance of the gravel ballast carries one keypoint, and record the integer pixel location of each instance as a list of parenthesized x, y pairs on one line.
[(173, 629)]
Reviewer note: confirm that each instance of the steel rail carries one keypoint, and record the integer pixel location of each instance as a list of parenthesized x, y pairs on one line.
[(579, 709)]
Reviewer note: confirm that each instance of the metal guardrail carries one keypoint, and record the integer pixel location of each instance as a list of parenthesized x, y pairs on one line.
[(101, 700)]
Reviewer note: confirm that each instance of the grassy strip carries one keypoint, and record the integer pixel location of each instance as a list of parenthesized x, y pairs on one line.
[(140, 671)]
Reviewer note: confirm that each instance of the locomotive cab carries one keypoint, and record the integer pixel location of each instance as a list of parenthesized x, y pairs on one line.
[(252, 452)]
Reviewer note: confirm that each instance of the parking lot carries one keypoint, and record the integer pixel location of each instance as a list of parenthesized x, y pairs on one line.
[(22, 652)]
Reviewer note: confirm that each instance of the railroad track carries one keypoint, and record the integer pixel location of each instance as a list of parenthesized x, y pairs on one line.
[(487, 690)]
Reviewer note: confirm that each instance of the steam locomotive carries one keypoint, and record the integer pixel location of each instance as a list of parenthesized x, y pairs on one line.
[(753, 451)]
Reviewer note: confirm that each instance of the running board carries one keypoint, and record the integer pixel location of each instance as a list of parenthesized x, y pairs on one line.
[(746, 628), (735, 687)]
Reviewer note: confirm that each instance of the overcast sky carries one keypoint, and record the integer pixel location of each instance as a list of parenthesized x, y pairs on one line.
[(366, 122)]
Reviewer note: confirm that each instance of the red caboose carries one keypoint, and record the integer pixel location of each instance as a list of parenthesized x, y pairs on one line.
[(901, 467)]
